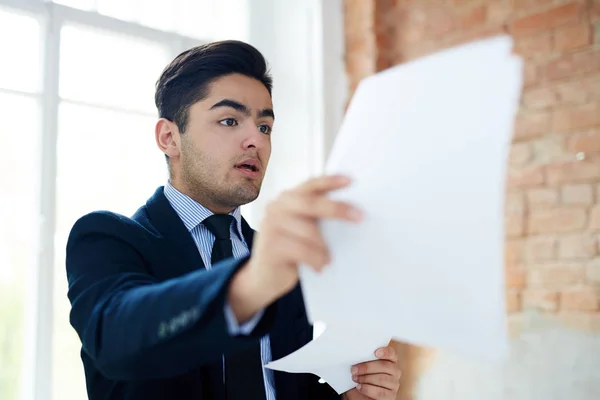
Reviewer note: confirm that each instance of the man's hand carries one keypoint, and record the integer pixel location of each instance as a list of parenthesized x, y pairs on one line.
[(377, 380), (289, 236)]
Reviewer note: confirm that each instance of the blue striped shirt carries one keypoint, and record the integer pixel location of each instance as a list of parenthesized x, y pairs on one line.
[(192, 214)]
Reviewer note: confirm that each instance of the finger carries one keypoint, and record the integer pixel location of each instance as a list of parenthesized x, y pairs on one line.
[(297, 251), (382, 380), (301, 228), (386, 353), (323, 184), (376, 392), (319, 207), (376, 367)]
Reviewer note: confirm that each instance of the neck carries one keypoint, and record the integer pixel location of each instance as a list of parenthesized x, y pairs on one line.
[(202, 199)]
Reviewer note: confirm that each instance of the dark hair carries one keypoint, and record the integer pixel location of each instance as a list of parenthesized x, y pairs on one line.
[(186, 79)]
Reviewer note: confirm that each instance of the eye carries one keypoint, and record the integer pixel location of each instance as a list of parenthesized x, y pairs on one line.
[(266, 129), (228, 122)]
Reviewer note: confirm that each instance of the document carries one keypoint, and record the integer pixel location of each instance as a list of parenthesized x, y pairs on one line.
[(426, 144)]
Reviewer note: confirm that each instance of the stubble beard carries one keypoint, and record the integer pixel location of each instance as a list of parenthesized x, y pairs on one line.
[(204, 186)]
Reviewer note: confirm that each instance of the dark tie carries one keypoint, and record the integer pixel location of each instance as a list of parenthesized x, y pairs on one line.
[(243, 370)]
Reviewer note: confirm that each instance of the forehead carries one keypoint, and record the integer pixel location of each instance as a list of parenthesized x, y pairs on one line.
[(245, 90)]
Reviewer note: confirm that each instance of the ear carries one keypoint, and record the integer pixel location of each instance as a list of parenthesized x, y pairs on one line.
[(167, 137)]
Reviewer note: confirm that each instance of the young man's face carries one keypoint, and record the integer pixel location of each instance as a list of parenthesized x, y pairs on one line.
[(226, 146)]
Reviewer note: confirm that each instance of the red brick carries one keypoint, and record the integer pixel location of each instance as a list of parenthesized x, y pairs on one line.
[(550, 149), (593, 272), (564, 219), (571, 64), (525, 177), (542, 197), (579, 246), (515, 277), (498, 11), (461, 37), (359, 66), (514, 215), (578, 117), (513, 300), (514, 225), (556, 276), (578, 91), (520, 154), (573, 172), (514, 203), (531, 125), (580, 299), (572, 37), (549, 19), (530, 74), (581, 194), (595, 10), (514, 251), (539, 98), (595, 218), (440, 22), (527, 5), (461, 3), (473, 18), (539, 299), (540, 248), (534, 47), (586, 142), (357, 14)]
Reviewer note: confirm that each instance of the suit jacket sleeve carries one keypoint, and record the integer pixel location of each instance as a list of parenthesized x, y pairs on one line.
[(134, 327), (322, 391)]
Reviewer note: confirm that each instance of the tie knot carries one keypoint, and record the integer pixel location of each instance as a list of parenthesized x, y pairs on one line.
[(219, 225)]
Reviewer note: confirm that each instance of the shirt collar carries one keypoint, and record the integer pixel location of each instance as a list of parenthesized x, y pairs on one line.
[(193, 213)]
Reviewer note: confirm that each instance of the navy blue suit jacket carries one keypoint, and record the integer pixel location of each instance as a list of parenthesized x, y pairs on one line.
[(150, 316)]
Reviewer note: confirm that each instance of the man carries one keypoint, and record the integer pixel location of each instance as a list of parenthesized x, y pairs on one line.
[(169, 304)]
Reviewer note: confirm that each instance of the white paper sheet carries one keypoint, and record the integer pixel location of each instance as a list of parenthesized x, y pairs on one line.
[(426, 144)]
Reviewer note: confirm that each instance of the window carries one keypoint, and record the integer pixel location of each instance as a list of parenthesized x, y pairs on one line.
[(76, 104), (20, 116), (106, 156), (206, 20), (18, 228), (97, 108)]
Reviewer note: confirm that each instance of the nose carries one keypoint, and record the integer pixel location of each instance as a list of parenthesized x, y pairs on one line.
[(253, 138)]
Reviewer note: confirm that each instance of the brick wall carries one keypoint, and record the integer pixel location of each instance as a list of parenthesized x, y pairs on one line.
[(553, 193)]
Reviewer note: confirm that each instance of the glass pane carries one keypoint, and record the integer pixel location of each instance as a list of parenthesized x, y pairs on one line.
[(213, 20), (23, 72), (123, 9), (157, 14), (106, 160), (81, 4), (18, 226), (105, 68)]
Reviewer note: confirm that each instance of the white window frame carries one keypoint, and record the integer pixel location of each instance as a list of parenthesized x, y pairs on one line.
[(321, 21), (37, 367)]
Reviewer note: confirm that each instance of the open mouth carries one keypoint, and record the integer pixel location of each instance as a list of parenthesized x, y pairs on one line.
[(248, 167)]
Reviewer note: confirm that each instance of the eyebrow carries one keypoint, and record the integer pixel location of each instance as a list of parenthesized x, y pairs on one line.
[(265, 112)]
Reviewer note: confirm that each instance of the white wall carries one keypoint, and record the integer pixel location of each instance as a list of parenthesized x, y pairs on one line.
[(302, 41), (548, 361)]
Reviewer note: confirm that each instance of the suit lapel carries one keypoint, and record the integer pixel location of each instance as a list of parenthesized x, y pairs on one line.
[(248, 233), (181, 255)]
